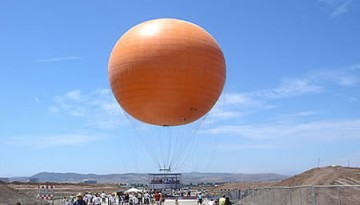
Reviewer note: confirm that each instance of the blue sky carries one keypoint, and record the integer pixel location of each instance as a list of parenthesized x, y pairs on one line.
[(290, 102)]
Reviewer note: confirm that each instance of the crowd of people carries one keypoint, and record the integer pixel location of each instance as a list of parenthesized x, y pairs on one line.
[(148, 198)]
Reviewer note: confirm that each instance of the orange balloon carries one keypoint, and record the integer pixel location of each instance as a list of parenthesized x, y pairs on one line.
[(167, 72)]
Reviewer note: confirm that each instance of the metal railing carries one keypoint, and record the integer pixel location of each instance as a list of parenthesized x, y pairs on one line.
[(299, 195)]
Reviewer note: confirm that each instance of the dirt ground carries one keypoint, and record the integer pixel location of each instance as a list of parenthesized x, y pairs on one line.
[(10, 193)]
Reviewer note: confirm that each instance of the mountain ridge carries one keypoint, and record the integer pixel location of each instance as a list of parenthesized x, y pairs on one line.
[(191, 177)]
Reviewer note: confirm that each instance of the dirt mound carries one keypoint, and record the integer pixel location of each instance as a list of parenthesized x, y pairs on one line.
[(332, 175), (10, 195)]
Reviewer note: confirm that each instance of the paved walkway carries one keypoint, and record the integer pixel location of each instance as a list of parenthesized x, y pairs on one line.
[(183, 202)]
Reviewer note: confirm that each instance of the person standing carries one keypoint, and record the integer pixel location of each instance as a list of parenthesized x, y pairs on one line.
[(162, 200), (157, 198), (126, 199), (147, 198), (96, 199), (103, 197), (222, 200), (79, 200), (111, 199), (200, 199), (227, 201)]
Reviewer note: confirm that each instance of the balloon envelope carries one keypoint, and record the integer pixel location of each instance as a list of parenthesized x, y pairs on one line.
[(167, 72)]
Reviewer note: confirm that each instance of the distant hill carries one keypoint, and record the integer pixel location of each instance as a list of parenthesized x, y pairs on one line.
[(75, 178), (331, 175), (194, 177)]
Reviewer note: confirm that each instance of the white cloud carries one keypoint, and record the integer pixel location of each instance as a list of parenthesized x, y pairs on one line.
[(247, 146), (237, 98), (236, 105), (289, 88), (70, 139), (338, 7), (341, 9), (352, 99), (344, 77), (54, 109), (225, 114), (311, 83), (301, 116), (37, 99), (74, 95), (98, 108), (347, 81), (312, 131), (71, 103), (57, 59), (231, 106), (355, 67), (78, 111)]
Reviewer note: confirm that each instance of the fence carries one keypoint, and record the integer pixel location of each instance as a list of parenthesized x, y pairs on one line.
[(300, 195)]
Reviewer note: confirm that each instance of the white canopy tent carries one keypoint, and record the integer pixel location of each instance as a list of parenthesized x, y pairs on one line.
[(132, 190)]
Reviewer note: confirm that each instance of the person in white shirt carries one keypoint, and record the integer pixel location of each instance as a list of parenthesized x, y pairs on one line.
[(96, 200), (211, 202), (147, 198)]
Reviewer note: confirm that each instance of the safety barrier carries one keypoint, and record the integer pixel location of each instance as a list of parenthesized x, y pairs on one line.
[(299, 195)]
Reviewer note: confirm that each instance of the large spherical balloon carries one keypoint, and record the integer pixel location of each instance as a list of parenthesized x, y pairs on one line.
[(167, 72)]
